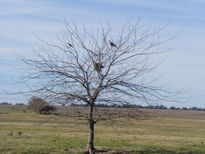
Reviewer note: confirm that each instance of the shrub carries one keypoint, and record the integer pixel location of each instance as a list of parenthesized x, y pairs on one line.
[(36, 103), (39, 105), (47, 109), (19, 133)]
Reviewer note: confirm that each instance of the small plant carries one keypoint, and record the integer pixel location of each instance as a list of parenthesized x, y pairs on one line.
[(10, 133), (19, 133)]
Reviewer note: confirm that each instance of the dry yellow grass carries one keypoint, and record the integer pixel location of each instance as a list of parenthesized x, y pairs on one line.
[(161, 133)]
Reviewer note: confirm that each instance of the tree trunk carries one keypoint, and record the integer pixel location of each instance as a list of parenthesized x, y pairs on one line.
[(90, 146)]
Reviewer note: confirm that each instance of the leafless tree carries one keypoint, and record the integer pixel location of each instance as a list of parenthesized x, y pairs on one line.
[(85, 67)]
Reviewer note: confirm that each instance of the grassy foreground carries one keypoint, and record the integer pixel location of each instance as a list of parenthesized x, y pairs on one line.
[(51, 134)]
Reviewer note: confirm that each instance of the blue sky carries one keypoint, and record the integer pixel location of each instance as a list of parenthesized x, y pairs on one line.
[(183, 66)]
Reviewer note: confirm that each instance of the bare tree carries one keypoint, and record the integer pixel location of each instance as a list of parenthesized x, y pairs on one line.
[(104, 66)]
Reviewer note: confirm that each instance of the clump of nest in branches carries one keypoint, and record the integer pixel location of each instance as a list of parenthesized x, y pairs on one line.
[(98, 66)]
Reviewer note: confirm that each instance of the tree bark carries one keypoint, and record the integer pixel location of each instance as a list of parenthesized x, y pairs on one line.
[(90, 146)]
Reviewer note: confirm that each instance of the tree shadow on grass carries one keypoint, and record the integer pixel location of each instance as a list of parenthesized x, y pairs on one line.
[(163, 151)]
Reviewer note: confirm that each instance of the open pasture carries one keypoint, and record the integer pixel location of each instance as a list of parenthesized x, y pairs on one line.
[(162, 131)]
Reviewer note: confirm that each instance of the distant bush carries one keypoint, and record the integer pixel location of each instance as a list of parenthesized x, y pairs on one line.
[(39, 105), (36, 103), (19, 133), (47, 109)]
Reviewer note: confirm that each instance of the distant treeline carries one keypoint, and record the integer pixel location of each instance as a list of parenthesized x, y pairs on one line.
[(140, 106), (5, 103), (130, 106)]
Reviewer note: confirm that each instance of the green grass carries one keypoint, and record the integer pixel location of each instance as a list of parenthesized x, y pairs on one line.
[(51, 134)]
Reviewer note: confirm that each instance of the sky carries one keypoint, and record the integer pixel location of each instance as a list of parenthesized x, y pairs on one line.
[(183, 66)]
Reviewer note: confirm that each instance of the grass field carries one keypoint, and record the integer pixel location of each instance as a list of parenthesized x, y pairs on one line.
[(165, 132)]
